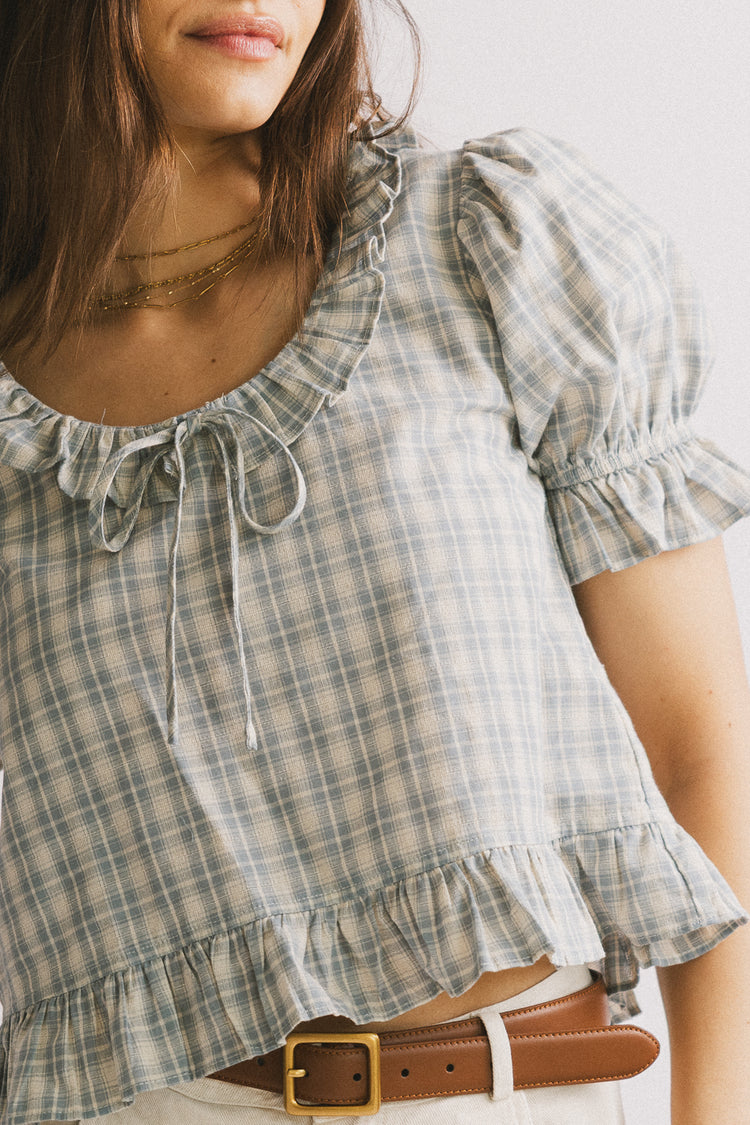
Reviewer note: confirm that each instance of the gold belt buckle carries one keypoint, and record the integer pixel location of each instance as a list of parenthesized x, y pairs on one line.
[(372, 1045)]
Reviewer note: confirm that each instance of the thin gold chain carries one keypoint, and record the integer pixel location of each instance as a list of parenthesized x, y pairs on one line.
[(143, 296), (180, 249), (247, 245)]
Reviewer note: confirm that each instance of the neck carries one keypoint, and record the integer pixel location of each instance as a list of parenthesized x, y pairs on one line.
[(215, 190)]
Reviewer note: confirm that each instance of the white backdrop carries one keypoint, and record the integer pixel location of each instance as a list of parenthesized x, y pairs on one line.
[(656, 94)]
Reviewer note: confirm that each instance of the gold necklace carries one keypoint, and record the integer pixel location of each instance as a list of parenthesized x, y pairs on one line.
[(180, 249), (142, 296)]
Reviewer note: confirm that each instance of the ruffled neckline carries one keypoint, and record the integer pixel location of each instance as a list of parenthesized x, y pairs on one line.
[(118, 470), (312, 370)]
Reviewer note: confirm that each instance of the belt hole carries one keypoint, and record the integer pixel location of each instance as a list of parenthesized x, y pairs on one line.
[(357, 1077), (261, 1062), (450, 1067), (404, 1073)]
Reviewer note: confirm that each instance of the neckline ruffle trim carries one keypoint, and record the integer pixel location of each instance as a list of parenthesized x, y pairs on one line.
[(266, 413), (120, 469), (237, 994)]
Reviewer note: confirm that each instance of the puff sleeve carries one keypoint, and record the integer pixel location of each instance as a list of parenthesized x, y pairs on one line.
[(605, 346)]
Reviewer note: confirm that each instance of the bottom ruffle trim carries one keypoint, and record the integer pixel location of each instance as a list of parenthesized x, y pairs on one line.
[(633, 896)]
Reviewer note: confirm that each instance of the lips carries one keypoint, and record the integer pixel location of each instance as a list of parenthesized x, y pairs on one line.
[(252, 27)]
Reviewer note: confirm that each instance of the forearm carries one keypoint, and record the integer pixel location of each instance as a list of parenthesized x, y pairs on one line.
[(707, 1001), (666, 632)]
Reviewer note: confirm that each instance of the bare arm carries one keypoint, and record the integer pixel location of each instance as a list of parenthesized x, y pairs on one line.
[(667, 634)]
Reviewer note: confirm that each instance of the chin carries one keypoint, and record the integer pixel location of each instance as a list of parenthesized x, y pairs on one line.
[(224, 121)]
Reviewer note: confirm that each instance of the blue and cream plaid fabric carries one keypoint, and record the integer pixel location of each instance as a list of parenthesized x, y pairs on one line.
[(297, 713)]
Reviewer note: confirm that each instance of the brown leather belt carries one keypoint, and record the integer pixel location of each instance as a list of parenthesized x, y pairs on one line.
[(557, 1043)]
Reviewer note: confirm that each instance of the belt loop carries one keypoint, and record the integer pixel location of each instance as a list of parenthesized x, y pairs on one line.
[(516, 1111), (502, 1063)]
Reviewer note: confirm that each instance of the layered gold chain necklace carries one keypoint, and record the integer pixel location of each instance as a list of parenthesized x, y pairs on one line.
[(173, 291)]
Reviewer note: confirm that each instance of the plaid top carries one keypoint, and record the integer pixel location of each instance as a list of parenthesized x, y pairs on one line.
[(297, 712)]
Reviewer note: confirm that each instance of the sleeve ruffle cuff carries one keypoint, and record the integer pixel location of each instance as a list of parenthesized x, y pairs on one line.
[(613, 513)]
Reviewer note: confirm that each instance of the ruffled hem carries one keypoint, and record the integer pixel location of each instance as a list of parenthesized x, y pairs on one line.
[(619, 511), (227, 997)]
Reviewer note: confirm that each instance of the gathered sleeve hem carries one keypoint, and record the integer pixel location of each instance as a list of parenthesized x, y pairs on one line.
[(618, 510)]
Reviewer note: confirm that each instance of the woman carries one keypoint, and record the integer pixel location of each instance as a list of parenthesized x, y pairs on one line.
[(302, 727)]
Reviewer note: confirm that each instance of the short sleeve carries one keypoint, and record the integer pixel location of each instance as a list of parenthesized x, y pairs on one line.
[(605, 346)]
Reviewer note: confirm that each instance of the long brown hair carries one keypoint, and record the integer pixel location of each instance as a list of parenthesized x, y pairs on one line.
[(83, 141)]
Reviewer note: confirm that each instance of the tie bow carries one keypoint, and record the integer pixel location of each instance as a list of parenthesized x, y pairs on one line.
[(111, 523)]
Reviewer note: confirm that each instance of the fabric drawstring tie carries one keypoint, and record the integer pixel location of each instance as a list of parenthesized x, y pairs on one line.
[(168, 445)]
